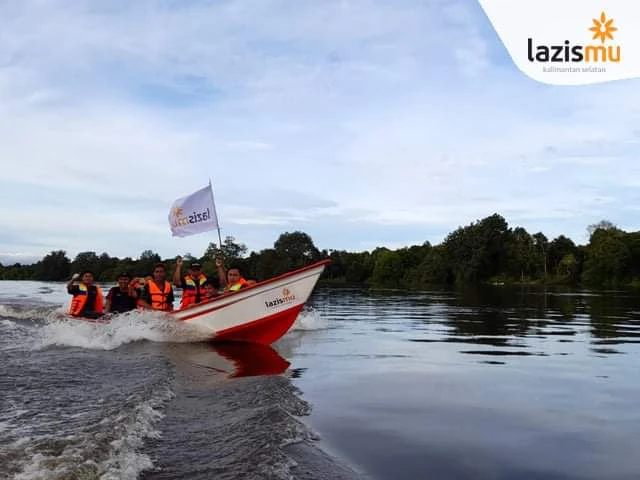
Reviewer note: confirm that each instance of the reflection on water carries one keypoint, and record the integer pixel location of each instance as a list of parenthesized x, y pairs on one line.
[(225, 360), (251, 360), (511, 319)]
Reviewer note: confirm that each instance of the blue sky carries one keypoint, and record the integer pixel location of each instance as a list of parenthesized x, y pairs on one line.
[(363, 123)]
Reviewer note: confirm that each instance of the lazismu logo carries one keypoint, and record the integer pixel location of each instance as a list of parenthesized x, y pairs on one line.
[(180, 219), (567, 52), (287, 297)]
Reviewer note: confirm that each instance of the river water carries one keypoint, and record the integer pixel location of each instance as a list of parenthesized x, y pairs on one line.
[(498, 383)]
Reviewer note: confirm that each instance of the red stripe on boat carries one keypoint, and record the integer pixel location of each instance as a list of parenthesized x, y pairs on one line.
[(266, 330)]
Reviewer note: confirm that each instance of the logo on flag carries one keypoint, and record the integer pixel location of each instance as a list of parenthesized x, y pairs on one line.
[(193, 214)]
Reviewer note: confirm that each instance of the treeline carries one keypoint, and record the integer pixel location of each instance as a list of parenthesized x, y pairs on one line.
[(485, 251)]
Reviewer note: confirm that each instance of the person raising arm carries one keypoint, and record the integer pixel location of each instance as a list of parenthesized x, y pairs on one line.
[(87, 299), (192, 284), (232, 281)]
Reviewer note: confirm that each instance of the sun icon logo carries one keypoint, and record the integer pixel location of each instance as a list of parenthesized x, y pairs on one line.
[(603, 28), (177, 212)]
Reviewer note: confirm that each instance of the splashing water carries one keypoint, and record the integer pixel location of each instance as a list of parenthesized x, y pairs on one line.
[(310, 320), (122, 329), (50, 326)]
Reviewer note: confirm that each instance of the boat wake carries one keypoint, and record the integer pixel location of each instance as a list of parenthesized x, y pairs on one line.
[(122, 329), (45, 327), (309, 320)]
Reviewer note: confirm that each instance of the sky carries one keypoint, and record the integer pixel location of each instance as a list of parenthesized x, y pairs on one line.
[(363, 123)]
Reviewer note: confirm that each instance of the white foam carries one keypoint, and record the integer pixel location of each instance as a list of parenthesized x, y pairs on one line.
[(122, 329), (309, 320), (124, 460)]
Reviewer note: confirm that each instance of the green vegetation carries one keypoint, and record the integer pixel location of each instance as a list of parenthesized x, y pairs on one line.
[(485, 251)]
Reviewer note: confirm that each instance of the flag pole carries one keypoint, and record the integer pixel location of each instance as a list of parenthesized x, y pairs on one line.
[(216, 214)]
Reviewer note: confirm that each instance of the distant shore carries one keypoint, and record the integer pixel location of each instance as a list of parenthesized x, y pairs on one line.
[(487, 251)]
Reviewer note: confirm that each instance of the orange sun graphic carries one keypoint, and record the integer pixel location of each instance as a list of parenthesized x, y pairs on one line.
[(603, 28), (177, 211)]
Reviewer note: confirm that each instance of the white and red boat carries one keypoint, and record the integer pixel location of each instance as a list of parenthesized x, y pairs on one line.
[(260, 313)]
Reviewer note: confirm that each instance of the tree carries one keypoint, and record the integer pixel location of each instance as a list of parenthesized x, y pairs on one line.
[(270, 263), (477, 251), (541, 243), (148, 260), (106, 266), (388, 270), (521, 252), (54, 267), (231, 251), (435, 269), (297, 248), (568, 267), (601, 225), (558, 248), (608, 258), (85, 261)]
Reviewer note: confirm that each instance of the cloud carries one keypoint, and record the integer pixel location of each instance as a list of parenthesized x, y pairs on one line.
[(356, 121)]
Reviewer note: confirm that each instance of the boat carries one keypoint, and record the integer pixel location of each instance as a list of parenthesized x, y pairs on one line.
[(259, 313)]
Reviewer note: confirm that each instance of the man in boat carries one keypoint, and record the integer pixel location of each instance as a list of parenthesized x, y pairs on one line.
[(87, 299), (121, 298), (192, 284), (136, 287), (210, 291), (233, 280), (157, 294)]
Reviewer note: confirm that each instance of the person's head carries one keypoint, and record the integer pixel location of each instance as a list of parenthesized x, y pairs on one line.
[(123, 280), (195, 269), (209, 290), (159, 272), (87, 277), (233, 275)]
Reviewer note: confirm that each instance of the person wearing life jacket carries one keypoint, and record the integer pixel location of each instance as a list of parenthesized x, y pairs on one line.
[(87, 301), (157, 294), (233, 280), (192, 284), (121, 298)]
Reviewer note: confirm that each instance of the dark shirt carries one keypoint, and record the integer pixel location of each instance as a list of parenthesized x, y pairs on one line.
[(146, 295), (121, 301), (90, 305)]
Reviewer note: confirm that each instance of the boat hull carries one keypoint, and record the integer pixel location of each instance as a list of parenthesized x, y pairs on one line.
[(260, 313)]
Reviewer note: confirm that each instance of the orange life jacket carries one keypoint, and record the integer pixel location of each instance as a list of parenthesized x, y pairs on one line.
[(79, 300), (190, 291), (238, 285), (159, 297)]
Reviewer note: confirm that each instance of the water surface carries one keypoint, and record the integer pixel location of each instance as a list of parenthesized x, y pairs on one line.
[(487, 384)]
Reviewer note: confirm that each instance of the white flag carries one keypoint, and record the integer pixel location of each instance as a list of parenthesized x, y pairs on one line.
[(195, 213)]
